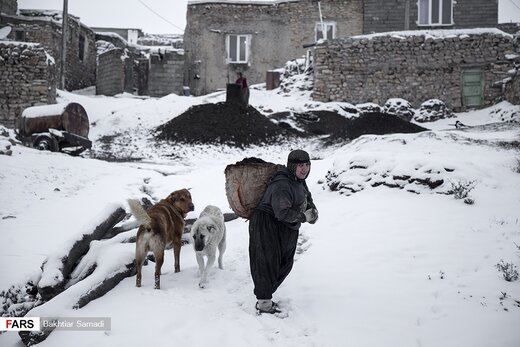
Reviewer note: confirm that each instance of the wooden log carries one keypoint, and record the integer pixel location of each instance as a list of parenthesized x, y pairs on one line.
[(57, 268), (129, 225), (112, 262), (107, 285)]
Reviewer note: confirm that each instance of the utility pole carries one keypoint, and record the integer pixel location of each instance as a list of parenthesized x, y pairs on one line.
[(407, 15), (321, 21), (64, 32)]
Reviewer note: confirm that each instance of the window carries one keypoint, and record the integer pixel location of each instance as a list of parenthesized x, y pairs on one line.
[(133, 35), (238, 48), (435, 12), (328, 27), (81, 48)]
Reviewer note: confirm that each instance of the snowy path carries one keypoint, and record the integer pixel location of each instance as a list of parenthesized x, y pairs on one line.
[(382, 267)]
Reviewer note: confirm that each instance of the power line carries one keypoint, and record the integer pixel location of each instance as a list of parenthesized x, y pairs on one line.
[(158, 15), (518, 7)]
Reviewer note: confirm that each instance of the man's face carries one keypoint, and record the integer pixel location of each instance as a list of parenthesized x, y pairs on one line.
[(302, 170)]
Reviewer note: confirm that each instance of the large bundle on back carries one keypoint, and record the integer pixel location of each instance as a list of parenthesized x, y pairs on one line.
[(246, 182)]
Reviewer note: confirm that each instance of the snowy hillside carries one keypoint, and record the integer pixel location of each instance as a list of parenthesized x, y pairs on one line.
[(383, 266)]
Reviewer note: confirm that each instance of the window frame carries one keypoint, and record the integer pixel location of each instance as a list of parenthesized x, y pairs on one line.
[(429, 14), (317, 28), (247, 48)]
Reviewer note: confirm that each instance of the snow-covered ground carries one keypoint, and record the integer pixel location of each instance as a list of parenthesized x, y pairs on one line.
[(381, 267)]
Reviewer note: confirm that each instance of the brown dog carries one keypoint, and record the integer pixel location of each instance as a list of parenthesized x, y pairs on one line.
[(162, 225)]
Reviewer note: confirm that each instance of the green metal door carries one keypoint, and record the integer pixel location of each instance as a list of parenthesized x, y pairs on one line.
[(472, 88)]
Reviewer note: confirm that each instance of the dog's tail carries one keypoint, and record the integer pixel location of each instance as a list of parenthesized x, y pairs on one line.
[(139, 213)]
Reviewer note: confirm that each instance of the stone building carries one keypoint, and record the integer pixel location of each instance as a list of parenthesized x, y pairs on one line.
[(45, 27), (156, 72), (131, 35), (27, 78), (165, 74), (8, 7), (222, 38), (396, 15), (465, 68), (143, 70)]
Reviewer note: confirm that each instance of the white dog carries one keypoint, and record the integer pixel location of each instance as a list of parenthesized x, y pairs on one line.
[(208, 233)]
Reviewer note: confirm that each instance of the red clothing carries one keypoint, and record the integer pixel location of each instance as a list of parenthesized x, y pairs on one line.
[(242, 81)]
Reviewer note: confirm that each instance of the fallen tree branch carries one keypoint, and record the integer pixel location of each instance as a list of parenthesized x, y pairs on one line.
[(57, 268)]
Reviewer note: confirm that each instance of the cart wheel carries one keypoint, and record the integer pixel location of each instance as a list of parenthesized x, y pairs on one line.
[(46, 143)]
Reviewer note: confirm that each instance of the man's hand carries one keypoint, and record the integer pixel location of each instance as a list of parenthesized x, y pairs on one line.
[(311, 215)]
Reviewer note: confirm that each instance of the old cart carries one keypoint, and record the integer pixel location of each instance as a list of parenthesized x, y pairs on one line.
[(60, 127)]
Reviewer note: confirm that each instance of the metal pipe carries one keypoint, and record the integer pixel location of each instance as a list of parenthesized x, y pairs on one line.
[(321, 21)]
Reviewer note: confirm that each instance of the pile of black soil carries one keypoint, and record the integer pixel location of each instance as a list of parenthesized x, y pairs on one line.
[(311, 123), (376, 124), (340, 128), (222, 123)]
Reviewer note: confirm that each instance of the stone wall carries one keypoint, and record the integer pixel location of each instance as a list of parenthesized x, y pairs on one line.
[(512, 92), (110, 73), (34, 26), (8, 7), (81, 67), (415, 66), (510, 28), (278, 32), (512, 89), (165, 74), (397, 15), (27, 78)]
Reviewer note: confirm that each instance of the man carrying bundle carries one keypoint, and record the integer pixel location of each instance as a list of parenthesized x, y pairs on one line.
[(274, 227)]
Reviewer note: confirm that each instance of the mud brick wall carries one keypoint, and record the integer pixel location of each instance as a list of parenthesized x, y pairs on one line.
[(27, 78), (110, 73), (416, 66), (165, 74)]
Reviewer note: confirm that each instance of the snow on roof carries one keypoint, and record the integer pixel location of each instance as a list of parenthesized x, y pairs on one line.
[(152, 49), (19, 43), (53, 16), (437, 34), (113, 35), (40, 12)]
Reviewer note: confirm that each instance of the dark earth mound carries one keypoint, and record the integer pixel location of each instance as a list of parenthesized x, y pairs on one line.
[(221, 123), (377, 124), (237, 125), (340, 128), (312, 123)]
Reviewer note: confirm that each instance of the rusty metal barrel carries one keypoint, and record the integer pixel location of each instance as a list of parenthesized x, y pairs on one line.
[(70, 117)]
